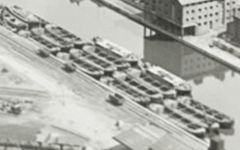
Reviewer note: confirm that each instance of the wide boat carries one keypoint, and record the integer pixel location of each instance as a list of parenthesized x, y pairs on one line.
[(150, 86)]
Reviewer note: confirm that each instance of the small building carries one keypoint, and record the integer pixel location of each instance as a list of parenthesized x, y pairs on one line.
[(233, 28), (154, 138), (18, 18), (190, 17)]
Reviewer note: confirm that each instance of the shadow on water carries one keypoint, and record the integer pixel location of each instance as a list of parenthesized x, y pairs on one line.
[(99, 4), (182, 60), (77, 2), (228, 132)]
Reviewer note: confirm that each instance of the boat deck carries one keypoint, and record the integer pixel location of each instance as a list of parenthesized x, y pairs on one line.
[(61, 33), (88, 67), (107, 56), (43, 41), (133, 93), (94, 59)]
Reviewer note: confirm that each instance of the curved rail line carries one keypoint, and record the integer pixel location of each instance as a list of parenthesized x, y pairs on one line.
[(23, 92)]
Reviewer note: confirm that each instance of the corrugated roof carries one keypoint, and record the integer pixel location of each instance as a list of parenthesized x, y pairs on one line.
[(184, 2), (168, 142), (135, 139), (147, 137)]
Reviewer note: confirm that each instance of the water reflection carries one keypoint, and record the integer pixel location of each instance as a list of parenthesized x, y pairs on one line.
[(76, 1), (213, 83), (228, 132), (181, 60), (99, 4)]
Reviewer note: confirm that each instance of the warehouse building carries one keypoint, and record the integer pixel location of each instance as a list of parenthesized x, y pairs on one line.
[(190, 17), (233, 28)]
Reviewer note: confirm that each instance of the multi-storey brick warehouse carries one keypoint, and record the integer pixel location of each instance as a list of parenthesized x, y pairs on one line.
[(233, 28), (190, 17)]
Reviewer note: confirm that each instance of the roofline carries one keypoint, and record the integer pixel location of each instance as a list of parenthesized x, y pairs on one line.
[(195, 2)]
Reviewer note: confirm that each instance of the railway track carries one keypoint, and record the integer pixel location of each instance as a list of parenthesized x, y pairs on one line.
[(7, 144), (129, 105), (49, 62), (23, 92)]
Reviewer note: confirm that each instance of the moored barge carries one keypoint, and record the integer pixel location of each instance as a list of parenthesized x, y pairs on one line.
[(148, 85)]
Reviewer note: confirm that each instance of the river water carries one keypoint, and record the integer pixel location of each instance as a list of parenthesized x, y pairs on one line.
[(213, 83)]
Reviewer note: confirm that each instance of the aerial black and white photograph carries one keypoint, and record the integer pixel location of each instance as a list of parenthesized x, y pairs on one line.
[(119, 74)]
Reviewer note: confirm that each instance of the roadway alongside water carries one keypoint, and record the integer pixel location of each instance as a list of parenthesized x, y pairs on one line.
[(212, 83)]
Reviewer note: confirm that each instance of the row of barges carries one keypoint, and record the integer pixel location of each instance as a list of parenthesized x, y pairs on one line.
[(150, 86)]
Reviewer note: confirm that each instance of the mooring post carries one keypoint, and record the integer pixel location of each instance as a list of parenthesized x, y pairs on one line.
[(216, 143)]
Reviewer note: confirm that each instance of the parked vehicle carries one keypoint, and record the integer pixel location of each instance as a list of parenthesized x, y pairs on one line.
[(116, 99), (43, 52), (69, 67)]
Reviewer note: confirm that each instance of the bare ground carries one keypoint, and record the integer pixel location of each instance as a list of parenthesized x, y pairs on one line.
[(86, 114)]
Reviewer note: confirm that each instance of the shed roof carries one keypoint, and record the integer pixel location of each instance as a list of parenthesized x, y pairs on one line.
[(148, 138), (168, 142), (135, 139)]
